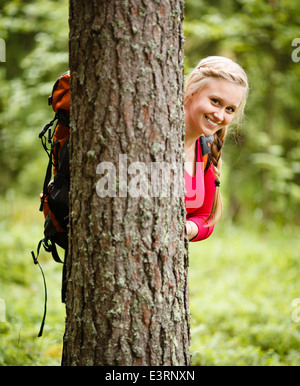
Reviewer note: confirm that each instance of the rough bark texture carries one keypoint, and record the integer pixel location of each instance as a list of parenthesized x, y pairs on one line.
[(127, 298)]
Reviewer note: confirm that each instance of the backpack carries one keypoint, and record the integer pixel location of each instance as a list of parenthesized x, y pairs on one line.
[(55, 195)]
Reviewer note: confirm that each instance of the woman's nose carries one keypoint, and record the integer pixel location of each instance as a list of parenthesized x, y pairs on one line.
[(219, 115)]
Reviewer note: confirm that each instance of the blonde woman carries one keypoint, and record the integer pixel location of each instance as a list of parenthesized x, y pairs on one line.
[(215, 96)]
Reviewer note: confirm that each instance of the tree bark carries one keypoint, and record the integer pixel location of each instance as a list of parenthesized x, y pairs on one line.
[(127, 297)]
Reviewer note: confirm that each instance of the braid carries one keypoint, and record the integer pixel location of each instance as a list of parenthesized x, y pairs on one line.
[(216, 147), (215, 154)]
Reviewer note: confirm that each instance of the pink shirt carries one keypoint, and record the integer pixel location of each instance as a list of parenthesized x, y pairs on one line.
[(200, 190)]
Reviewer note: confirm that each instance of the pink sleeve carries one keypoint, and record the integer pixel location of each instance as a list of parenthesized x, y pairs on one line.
[(199, 215)]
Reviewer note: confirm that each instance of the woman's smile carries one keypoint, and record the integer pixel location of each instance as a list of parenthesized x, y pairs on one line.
[(211, 122)]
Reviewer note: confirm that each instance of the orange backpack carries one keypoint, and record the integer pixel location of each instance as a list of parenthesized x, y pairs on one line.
[(54, 197), (55, 194)]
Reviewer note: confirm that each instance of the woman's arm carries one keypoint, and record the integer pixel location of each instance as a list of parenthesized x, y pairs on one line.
[(198, 217)]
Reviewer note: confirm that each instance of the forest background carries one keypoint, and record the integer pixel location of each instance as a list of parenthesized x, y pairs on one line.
[(244, 291)]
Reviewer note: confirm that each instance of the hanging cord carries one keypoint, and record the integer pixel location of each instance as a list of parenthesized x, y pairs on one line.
[(35, 260), (47, 127)]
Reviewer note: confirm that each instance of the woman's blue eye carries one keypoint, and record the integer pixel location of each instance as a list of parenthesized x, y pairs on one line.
[(231, 109)]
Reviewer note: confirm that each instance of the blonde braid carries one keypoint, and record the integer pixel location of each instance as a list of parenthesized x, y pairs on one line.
[(215, 155)]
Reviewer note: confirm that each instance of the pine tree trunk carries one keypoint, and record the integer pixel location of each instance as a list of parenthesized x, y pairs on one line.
[(127, 298)]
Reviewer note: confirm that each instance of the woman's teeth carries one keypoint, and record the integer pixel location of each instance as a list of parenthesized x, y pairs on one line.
[(212, 122)]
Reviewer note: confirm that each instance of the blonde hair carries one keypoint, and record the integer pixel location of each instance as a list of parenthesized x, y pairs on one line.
[(221, 68)]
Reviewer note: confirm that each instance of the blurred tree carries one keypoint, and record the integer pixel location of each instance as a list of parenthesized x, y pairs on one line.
[(36, 36)]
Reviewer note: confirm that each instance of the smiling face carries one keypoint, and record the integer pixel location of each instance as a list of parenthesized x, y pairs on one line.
[(213, 107)]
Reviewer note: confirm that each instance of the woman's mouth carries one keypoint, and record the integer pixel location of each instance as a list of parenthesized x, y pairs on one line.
[(211, 122)]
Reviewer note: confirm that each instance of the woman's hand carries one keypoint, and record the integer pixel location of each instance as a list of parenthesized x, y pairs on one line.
[(191, 229)]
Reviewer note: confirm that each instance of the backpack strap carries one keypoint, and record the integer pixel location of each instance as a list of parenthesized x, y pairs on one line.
[(62, 117), (35, 260), (205, 143), (49, 247)]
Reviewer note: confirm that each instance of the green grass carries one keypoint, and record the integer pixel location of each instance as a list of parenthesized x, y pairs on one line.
[(242, 284), (21, 287)]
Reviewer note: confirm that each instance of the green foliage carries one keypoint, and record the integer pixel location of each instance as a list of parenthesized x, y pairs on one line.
[(36, 36), (21, 288), (242, 285)]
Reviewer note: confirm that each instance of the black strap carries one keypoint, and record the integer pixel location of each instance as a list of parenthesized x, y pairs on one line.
[(35, 260), (47, 127), (49, 247), (46, 181), (55, 254), (63, 117)]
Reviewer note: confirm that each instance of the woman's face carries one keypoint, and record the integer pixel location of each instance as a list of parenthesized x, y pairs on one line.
[(213, 107)]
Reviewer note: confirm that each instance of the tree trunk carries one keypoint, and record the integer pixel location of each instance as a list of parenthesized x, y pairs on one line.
[(127, 297)]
